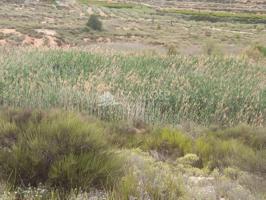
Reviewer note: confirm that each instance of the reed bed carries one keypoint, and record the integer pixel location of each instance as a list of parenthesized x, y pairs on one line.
[(158, 90)]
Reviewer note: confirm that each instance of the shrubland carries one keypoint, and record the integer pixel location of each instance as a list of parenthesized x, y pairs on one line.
[(57, 149), (58, 154)]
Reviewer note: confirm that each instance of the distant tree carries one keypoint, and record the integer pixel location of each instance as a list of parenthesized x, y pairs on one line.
[(94, 23)]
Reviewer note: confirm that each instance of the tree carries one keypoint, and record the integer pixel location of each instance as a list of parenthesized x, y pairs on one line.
[(94, 23)]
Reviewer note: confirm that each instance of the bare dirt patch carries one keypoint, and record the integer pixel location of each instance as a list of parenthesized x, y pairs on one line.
[(8, 31), (3, 42), (46, 32), (48, 41)]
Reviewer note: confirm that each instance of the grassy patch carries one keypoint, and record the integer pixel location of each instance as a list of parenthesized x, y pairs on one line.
[(115, 5), (220, 16), (205, 90)]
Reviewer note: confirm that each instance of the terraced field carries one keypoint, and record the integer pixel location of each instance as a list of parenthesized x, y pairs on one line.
[(216, 5), (130, 27)]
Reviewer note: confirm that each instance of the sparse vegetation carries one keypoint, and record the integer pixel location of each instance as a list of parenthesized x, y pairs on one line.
[(211, 48)]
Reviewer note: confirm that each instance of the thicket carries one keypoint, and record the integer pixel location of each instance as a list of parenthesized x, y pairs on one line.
[(60, 150)]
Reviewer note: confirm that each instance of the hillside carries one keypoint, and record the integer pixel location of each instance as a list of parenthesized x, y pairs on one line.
[(131, 27), (132, 100)]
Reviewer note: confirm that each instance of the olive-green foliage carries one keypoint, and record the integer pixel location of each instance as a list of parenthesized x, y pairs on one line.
[(217, 153), (190, 160), (172, 51), (94, 23), (262, 50), (256, 52), (127, 135), (253, 137), (57, 149), (130, 186), (170, 139), (241, 147), (205, 90), (147, 179)]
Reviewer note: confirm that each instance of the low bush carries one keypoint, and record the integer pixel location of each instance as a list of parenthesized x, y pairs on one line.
[(172, 50), (253, 137), (148, 179), (124, 135), (167, 139), (190, 160), (58, 149), (241, 147), (217, 153), (262, 50)]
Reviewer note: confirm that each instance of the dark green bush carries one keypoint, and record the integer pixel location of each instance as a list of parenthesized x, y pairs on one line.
[(94, 23), (58, 149)]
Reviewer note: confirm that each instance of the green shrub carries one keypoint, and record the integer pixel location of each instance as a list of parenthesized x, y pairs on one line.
[(94, 23), (170, 139), (232, 173), (217, 153), (148, 179), (60, 150), (172, 50), (262, 50), (253, 137), (190, 160), (124, 135)]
